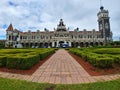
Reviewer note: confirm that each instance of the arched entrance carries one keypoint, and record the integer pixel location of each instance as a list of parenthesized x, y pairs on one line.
[(41, 45), (76, 44), (23, 45), (91, 43), (55, 44), (86, 44), (27, 45), (101, 43), (61, 44), (72, 45), (50, 44), (46, 45), (96, 43), (81, 44)]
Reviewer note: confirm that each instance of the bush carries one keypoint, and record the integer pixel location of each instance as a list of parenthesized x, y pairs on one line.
[(22, 58), (116, 59), (92, 59), (99, 57), (45, 54), (1, 45), (79, 54), (2, 61), (105, 62), (18, 62), (112, 51)]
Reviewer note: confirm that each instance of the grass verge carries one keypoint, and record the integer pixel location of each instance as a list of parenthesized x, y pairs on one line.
[(12, 84)]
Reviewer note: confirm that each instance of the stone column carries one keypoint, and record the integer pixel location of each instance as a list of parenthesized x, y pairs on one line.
[(24, 45), (69, 44), (65, 42), (57, 44), (53, 44), (8, 37), (29, 44)]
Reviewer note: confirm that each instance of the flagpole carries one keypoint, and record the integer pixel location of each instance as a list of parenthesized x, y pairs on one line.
[(100, 2)]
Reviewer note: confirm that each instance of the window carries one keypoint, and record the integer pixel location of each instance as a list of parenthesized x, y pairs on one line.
[(61, 35), (80, 36), (20, 37), (37, 37)]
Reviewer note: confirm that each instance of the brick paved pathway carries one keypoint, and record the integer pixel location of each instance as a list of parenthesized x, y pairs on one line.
[(60, 68)]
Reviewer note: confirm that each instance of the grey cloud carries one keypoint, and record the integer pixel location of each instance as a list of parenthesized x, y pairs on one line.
[(40, 14)]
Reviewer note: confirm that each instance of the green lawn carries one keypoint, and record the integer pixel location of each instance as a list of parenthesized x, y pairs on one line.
[(12, 84)]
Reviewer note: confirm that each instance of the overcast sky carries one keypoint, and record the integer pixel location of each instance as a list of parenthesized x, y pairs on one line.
[(39, 14)]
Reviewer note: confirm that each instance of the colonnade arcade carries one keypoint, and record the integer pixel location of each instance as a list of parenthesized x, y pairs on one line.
[(60, 44)]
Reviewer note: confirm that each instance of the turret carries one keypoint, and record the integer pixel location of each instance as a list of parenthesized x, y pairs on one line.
[(61, 26), (104, 24), (10, 28)]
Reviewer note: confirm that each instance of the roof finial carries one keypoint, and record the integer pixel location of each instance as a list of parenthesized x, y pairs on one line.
[(100, 3), (101, 6)]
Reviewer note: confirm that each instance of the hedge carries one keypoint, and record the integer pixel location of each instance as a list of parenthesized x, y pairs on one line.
[(22, 58), (99, 57), (116, 59), (19, 62), (45, 54), (105, 62), (112, 51), (2, 61)]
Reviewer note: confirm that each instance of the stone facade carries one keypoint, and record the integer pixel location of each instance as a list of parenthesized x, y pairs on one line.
[(62, 36)]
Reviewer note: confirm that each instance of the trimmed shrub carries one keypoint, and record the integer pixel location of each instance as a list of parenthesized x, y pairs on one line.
[(92, 59), (106, 62), (84, 56), (116, 59), (2, 61), (45, 54), (18, 62), (25, 58), (99, 57), (79, 54), (112, 51)]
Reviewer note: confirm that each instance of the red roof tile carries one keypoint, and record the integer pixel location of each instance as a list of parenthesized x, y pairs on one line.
[(10, 28)]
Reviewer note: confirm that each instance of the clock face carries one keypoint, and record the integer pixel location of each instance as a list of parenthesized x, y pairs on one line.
[(106, 25), (101, 15)]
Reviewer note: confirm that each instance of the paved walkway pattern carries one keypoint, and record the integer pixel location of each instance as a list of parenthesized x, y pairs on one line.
[(60, 68)]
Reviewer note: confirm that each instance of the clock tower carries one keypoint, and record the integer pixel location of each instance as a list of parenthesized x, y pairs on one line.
[(104, 25)]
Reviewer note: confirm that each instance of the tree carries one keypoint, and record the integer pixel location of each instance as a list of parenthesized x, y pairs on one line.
[(115, 43), (1, 45)]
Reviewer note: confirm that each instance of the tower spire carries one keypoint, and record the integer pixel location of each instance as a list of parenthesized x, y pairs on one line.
[(101, 5), (104, 24), (10, 28)]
